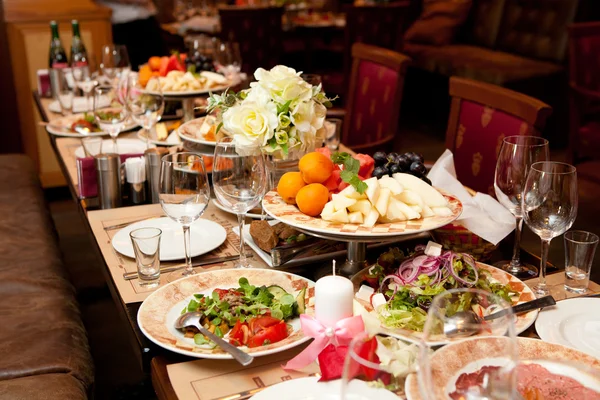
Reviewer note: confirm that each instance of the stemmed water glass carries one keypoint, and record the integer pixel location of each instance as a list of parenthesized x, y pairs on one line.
[(115, 60), (85, 80), (549, 207), (110, 112), (144, 107), (184, 193), (228, 58), (63, 88), (239, 181), (459, 314), (514, 160)]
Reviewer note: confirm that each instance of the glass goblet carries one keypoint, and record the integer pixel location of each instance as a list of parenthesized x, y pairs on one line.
[(146, 108), (549, 206), (184, 193), (514, 160), (239, 181), (110, 113)]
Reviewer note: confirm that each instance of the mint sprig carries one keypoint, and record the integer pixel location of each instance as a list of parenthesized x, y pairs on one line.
[(350, 172)]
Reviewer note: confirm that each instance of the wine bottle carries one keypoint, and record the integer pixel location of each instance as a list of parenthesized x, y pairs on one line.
[(57, 57), (79, 56)]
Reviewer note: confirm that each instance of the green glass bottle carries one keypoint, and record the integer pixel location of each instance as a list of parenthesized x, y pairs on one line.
[(57, 57), (79, 56)]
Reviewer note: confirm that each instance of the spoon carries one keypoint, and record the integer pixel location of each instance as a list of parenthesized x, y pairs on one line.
[(464, 323), (193, 319)]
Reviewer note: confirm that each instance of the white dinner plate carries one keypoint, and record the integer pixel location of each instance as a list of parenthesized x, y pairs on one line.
[(189, 130), (62, 127), (205, 236), (227, 210), (172, 139), (125, 146), (311, 389), (79, 105), (574, 323), (158, 313)]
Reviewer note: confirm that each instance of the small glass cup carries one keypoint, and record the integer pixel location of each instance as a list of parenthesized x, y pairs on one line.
[(580, 247), (333, 133), (146, 246), (92, 145)]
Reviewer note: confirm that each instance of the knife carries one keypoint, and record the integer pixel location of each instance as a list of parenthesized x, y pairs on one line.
[(207, 261), (282, 254)]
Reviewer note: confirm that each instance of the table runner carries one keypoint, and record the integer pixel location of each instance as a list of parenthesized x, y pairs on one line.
[(187, 377), (102, 221)]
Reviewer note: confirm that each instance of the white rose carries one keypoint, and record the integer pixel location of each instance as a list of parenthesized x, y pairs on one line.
[(283, 84), (251, 123)]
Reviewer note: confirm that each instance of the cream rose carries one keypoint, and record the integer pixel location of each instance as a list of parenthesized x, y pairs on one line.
[(251, 123), (283, 84), (308, 117)]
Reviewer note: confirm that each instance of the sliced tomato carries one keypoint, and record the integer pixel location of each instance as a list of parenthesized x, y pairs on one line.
[(366, 351), (259, 323), (272, 334), (239, 334), (223, 292)]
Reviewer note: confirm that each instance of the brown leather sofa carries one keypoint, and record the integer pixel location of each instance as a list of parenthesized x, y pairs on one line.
[(44, 351)]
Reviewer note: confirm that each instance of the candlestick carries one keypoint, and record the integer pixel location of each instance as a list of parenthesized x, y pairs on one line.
[(333, 299)]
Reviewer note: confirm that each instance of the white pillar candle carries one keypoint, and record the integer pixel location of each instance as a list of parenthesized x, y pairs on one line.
[(333, 299)]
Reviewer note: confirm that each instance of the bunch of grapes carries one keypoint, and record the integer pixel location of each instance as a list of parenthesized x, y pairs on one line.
[(389, 164)]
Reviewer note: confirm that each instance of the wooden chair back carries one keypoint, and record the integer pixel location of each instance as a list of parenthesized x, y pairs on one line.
[(258, 32), (374, 97), (481, 116)]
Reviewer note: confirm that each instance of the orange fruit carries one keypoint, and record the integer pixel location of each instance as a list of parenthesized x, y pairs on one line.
[(312, 198), (144, 75), (154, 63), (315, 167), (289, 185)]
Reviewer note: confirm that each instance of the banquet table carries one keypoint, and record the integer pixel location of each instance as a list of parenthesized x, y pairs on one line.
[(153, 359)]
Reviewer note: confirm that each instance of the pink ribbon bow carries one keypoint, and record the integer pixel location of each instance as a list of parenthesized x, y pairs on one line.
[(340, 334)]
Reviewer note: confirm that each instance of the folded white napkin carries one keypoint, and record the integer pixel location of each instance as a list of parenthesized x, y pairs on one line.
[(482, 214)]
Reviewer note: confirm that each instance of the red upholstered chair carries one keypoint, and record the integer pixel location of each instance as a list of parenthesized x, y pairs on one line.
[(373, 105), (481, 116), (258, 32), (584, 98)]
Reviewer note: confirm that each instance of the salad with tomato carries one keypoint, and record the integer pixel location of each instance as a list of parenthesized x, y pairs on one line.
[(249, 315), (409, 284)]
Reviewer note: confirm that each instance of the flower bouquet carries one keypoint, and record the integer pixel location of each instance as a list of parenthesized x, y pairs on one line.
[(281, 114)]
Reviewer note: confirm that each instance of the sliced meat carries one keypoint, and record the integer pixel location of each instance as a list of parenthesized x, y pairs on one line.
[(264, 235)]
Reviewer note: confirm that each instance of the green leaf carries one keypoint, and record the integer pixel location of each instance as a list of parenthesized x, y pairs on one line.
[(200, 340), (193, 305), (198, 296), (217, 321), (284, 108), (218, 332), (219, 127), (285, 149), (350, 172)]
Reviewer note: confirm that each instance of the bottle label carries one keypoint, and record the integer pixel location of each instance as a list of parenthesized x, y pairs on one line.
[(80, 64), (58, 65)]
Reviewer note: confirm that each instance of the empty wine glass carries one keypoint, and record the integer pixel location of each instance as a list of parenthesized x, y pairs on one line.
[(239, 181), (110, 112), (184, 193), (115, 60), (85, 80), (144, 107), (62, 85), (514, 160), (549, 207), (228, 58), (459, 314)]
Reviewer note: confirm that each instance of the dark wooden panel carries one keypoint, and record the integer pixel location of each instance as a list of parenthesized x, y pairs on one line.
[(10, 132)]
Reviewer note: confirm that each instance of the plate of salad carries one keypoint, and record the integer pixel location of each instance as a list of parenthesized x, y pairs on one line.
[(255, 309), (409, 282), (81, 125)]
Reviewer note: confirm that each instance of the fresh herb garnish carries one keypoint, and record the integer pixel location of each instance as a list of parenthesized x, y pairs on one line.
[(350, 172)]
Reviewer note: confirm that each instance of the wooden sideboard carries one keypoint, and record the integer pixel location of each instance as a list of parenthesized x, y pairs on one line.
[(28, 33)]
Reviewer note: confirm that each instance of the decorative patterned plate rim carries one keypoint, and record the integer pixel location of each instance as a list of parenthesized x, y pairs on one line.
[(183, 136), (144, 316), (411, 387), (524, 321), (67, 120), (191, 93), (291, 215)]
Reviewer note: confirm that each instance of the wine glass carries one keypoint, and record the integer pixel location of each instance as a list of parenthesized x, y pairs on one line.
[(549, 207), (450, 319), (367, 376), (84, 77), (239, 181), (115, 60), (62, 82), (146, 108), (184, 193), (514, 160), (228, 58), (110, 112)]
